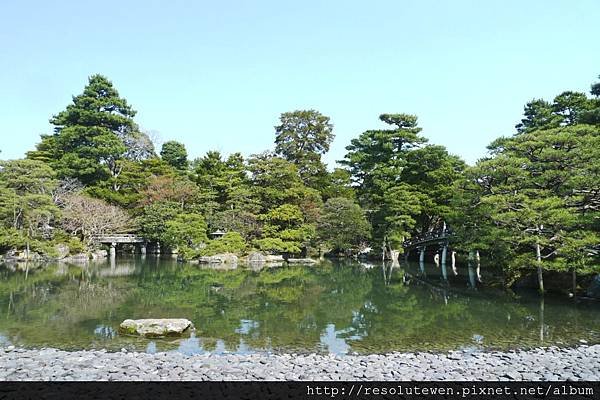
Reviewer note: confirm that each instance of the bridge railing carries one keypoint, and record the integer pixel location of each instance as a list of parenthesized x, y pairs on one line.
[(118, 238), (428, 237)]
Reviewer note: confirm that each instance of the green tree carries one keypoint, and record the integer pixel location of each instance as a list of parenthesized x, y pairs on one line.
[(431, 173), (26, 202), (376, 160), (231, 242), (233, 204), (343, 225), (339, 184), (90, 135), (274, 180), (568, 108), (175, 154), (537, 114), (285, 230), (302, 137), (154, 217), (537, 186), (186, 230), (592, 115)]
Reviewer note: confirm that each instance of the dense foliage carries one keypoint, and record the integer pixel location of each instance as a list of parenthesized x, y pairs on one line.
[(532, 204)]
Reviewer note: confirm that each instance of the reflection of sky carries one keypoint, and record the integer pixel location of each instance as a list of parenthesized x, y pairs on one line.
[(191, 345), (4, 341), (246, 325), (334, 341), (151, 348)]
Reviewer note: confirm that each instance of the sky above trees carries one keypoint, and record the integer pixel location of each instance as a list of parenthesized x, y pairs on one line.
[(217, 76)]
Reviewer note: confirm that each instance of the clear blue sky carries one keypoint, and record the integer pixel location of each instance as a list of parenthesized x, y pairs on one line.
[(216, 75)]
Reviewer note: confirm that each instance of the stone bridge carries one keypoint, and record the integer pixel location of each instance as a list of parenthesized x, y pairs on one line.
[(113, 240)]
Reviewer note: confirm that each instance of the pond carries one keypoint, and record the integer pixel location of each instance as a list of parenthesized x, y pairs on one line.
[(337, 307)]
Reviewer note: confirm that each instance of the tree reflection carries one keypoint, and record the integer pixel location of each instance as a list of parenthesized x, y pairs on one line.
[(330, 307)]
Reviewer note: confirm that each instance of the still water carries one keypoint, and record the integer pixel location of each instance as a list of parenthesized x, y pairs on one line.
[(332, 307)]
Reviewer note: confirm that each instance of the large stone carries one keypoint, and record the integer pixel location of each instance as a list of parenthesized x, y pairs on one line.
[(256, 258), (155, 327)]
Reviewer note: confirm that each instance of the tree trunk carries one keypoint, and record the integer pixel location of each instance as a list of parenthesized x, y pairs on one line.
[(540, 273)]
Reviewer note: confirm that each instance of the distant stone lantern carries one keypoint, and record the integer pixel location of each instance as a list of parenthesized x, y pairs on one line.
[(218, 234)]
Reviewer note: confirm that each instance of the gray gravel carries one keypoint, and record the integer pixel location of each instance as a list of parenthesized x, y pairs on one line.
[(580, 363)]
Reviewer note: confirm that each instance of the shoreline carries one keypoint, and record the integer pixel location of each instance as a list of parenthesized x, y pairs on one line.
[(540, 364)]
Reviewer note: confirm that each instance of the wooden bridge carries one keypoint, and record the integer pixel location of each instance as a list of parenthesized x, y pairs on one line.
[(430, 238), (439, 239)]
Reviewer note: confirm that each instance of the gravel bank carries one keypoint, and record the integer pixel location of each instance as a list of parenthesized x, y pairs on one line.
[(580, 363)]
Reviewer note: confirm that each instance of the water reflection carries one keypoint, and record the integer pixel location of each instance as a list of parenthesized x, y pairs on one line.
[(472, 280), (332, 343), (444, 272), (105, 332), (332, 307)]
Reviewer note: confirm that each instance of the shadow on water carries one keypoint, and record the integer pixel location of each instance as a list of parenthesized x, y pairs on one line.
[(337, 307)]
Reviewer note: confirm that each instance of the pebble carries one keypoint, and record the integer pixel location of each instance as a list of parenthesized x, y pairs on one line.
[(552, 363)]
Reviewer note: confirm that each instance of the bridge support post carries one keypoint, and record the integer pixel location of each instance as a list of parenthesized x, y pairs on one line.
[(422, 254), (444, 253), (143, 249), (478, 264), (453, 257), (113, 250)]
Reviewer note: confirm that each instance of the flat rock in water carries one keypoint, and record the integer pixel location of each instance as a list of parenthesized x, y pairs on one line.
[(224, 258), (155, 327)]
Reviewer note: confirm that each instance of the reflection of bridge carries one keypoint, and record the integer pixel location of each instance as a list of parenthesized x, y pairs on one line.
[(115, 239)]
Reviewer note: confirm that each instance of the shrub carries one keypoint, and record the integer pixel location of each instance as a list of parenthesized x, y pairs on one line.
[(231, 242)]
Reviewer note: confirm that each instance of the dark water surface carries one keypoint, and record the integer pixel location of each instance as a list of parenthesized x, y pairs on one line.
[(339, 308)]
